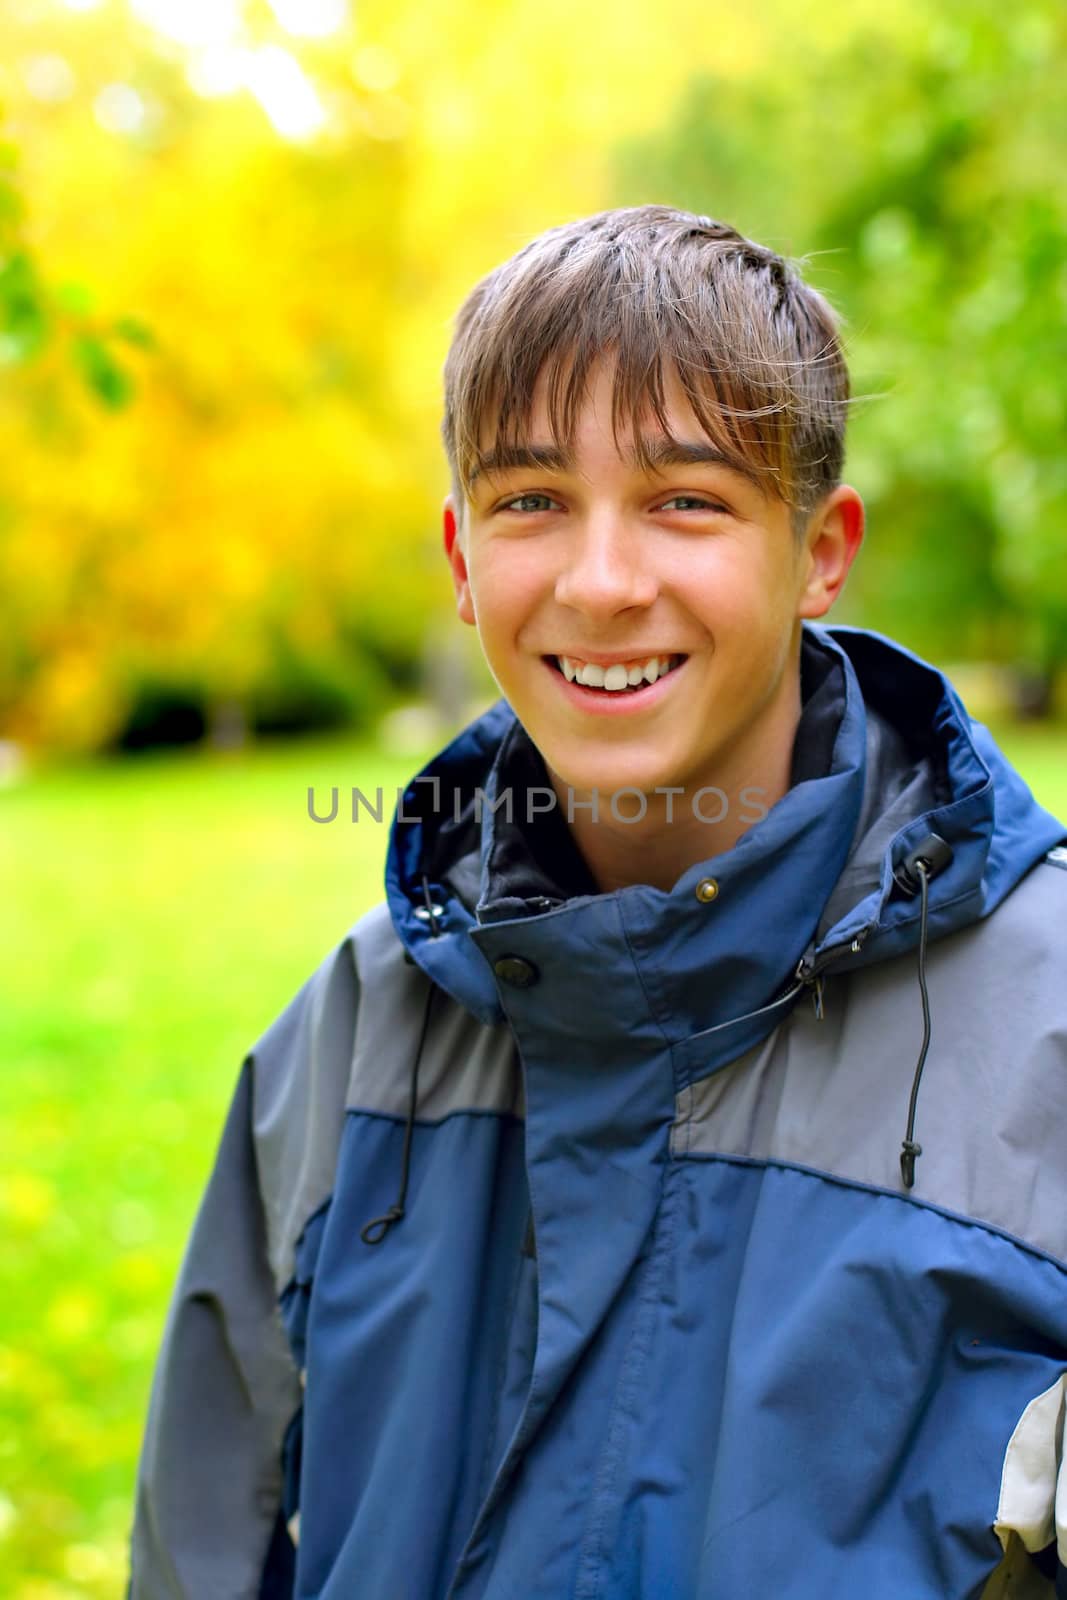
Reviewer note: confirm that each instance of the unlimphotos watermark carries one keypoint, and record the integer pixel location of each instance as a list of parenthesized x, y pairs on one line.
[(626, 805)]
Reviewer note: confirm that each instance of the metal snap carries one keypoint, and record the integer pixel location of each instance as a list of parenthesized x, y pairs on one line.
[(517, 971), (707, 890)]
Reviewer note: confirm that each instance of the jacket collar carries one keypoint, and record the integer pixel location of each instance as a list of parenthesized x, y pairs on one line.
[(814, 879)]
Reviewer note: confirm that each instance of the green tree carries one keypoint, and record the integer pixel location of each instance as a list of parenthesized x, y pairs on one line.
[(921, 178)]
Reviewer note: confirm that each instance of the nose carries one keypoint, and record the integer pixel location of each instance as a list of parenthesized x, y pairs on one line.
[(607, 569)]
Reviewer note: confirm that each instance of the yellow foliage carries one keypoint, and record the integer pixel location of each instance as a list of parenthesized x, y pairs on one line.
[(273, 491)]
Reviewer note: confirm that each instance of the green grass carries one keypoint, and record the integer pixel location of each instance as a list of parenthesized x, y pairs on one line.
[(158, 914), (164, 911)]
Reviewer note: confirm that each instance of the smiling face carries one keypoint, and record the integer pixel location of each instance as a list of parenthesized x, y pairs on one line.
[(568, 561)]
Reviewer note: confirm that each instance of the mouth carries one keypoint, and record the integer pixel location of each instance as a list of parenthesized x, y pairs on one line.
[(621, 680)]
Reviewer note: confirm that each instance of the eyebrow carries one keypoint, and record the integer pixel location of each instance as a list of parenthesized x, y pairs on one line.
[(660, 453), (519, 457)]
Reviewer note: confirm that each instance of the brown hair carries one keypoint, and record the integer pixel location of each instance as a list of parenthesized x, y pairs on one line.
[(755, 348)]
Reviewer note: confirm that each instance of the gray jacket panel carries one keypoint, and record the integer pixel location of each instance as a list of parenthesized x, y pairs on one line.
[(832, 1094), (226, 1386), (224, 1393), (302, 1068), (464, 1066)]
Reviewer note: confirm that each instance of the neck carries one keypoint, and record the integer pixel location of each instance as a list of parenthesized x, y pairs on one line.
[(673, 834)]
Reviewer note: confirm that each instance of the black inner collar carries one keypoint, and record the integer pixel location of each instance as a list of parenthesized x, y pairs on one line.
[(536, 858)]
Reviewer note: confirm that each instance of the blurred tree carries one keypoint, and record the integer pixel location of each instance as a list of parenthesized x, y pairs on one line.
[(236, 546), (921, 175), (33, 311), (295, 200), (23, 324)]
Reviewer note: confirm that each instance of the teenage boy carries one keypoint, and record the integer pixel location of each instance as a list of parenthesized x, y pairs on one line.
[(663, 1194)]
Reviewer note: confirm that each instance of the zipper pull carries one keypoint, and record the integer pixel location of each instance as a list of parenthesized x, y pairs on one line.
[(809, 967)]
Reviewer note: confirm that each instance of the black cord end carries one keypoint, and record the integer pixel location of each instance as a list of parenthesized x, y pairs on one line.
[(909, 1151), (931, 854), (374, 1232)]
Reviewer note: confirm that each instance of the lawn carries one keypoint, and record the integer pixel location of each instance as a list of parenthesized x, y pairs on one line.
[(165, 910)]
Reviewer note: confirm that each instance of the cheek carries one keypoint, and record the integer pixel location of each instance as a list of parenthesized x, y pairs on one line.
[(736, 594), (748, 609), (505, 589)]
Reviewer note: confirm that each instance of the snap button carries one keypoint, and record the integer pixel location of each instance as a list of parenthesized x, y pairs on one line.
[(516, 970), (707, 890)]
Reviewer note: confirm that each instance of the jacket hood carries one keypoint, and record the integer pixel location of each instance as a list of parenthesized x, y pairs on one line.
[(885, 756)]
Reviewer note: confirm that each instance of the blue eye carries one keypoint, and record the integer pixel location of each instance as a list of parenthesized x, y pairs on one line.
[(529, 503), (689, 502)]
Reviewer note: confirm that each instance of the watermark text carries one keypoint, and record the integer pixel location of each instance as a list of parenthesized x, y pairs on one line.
[(625, 806)]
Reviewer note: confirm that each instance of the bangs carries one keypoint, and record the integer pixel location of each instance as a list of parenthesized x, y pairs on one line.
[(748, 436)]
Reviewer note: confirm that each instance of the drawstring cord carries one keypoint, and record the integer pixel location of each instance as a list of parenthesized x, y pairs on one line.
[(910, 1150), (914, 874), (375, 1231)]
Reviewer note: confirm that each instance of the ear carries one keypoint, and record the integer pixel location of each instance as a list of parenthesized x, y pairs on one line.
[(831, 543), (457, 561)]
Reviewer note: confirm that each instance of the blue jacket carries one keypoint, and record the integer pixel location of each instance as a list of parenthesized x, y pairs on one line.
[(560, 1245)]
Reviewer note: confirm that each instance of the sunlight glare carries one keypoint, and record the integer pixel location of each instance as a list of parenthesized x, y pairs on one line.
[(311, 19), (191, 22), (221, 69), (119, 109), (284, 91), (48, 78)]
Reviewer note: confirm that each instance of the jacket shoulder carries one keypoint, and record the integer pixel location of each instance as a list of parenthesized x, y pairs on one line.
[(829, 1090), (1033, 913), (301, 1067)]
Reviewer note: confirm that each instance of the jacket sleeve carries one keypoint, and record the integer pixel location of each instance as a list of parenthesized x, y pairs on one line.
[(225, 1389), (208, 1520)]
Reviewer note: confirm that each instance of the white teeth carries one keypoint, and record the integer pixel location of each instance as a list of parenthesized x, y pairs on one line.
[(618, 676)]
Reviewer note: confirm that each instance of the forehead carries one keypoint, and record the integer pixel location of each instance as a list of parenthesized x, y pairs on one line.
[(648, 432)]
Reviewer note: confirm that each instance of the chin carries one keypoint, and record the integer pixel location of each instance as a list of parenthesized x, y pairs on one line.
[(607, 777)]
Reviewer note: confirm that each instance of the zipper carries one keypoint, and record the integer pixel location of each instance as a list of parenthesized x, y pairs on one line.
[(808, 970)]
